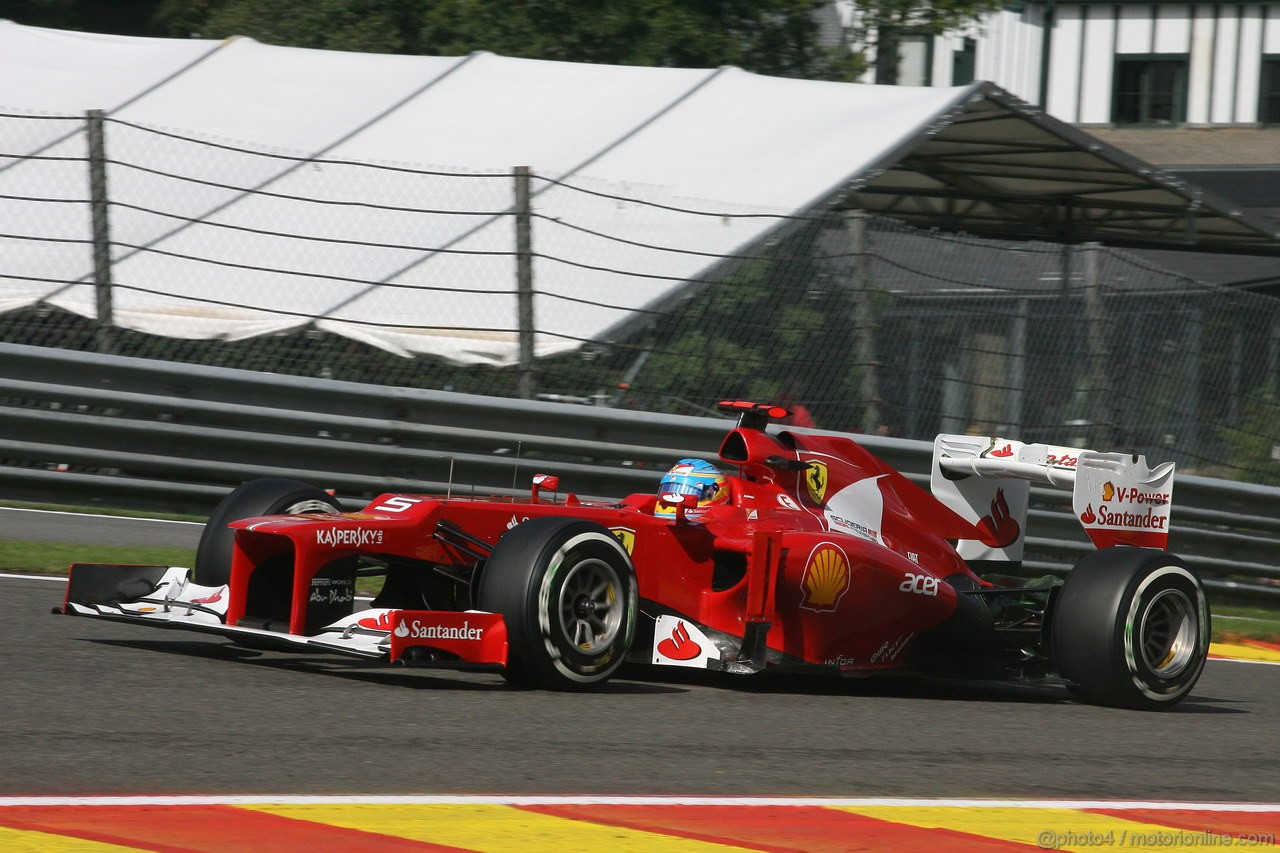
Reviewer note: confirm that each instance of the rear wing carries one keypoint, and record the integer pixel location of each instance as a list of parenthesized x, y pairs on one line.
[(1116, 497)]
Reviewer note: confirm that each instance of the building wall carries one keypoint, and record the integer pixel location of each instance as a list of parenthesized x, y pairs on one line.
[(1221, 48)]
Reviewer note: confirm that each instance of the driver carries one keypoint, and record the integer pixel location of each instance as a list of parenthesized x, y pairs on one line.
[(696, 477)]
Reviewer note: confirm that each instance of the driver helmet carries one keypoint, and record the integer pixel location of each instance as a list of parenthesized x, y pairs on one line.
[(696, 477)]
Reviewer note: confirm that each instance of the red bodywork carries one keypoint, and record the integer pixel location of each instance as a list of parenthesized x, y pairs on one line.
[(837, 559)]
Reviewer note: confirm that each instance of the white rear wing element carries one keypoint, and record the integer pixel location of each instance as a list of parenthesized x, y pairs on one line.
[(1116, 497)]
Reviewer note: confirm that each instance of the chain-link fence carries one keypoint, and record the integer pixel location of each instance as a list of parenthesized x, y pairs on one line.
[(160, 244)]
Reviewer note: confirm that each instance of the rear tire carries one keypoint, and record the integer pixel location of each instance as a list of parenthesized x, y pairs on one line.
[(567, 591), (1131, 629), (267, 496)]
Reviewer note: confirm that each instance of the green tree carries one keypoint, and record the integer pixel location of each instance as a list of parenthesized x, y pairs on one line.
[(776, 326), (124, 17), (883, 23), (777, 37), (1253, 443), (370, 26)]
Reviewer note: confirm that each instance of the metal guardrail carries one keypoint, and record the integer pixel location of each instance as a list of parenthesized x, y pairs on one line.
[(84, 428)]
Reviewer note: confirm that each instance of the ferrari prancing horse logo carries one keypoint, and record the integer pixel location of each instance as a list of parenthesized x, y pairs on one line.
[(627, 537), (815, 481)]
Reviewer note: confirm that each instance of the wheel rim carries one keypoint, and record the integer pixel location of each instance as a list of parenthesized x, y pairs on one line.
[(590, 606), (1168, 633), (306, 506)]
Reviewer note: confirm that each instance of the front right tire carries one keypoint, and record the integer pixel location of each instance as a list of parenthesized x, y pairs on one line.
[(567, 591)]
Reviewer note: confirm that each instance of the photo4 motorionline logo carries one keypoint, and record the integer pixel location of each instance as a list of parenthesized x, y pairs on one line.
[(1174, 839)]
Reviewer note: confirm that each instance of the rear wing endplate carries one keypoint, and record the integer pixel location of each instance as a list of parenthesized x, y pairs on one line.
[(1116, 497)]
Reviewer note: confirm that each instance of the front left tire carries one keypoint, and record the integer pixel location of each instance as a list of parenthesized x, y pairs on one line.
[(266, 496)]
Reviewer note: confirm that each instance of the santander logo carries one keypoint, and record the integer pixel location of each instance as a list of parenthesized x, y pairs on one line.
[(210, 599), (381, 622), (419, 630), (679, 646), (999, 529)]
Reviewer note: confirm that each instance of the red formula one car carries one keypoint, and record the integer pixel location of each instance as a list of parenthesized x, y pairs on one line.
[(813, 554)]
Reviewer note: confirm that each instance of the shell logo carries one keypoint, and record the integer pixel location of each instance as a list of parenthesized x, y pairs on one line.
[(1108, 491), (826, 579), (815, 481)]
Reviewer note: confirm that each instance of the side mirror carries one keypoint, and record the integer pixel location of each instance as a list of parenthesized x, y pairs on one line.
[(544, 481), (680, 503)]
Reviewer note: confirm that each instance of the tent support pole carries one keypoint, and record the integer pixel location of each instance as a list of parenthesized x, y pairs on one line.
[(1017, 366), (1098, 374), (864, 321), (524, 282), (106, 333)]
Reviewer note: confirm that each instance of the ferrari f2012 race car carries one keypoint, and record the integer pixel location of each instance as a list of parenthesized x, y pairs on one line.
[(809, 553)]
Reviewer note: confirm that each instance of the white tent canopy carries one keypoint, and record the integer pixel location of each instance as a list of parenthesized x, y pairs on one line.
[(225, 241)]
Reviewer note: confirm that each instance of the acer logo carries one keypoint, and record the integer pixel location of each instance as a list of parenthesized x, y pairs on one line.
[(918, 584)]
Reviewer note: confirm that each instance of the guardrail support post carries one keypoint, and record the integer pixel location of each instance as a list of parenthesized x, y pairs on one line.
[(98, 202)]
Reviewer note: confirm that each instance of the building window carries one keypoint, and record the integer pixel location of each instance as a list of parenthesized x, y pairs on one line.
[(915, 60), (1150, 90), (1269, 104), (963, 63)]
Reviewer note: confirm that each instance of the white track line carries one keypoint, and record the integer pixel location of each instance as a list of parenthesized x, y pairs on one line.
[(100, 515), (59, 578)]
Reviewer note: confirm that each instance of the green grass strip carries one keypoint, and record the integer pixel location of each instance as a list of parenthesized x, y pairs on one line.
[(53, 558)]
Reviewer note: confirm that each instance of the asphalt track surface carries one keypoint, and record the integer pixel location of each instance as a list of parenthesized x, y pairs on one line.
[(82, 528), (97, 708)]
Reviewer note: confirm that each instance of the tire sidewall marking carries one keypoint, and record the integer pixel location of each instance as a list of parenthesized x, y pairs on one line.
[(1140, 673), (548, 595)]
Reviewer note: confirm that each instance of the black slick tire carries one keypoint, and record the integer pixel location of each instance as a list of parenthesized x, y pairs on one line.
[(567, 591), (267, 496), (1131, 628)]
